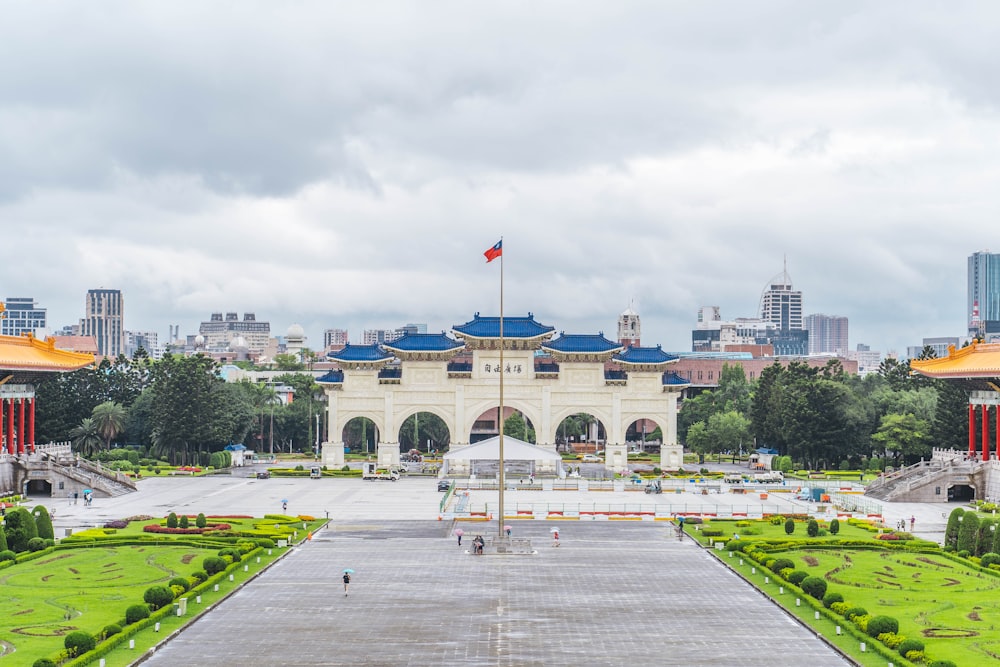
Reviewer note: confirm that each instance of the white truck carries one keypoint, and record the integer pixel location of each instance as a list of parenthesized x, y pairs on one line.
[(371, 471)]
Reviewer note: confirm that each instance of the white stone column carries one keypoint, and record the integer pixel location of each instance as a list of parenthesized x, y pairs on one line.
[(671, 453), (333, 446)]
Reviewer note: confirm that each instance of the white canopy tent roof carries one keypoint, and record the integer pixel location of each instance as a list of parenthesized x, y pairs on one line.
[(513, 450)]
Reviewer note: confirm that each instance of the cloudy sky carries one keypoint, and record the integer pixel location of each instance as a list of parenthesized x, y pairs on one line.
[(346, 164)]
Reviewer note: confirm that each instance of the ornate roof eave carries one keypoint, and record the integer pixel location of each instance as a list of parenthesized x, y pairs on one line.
[(29, 354), (977, 360), (477, 343), (581, 357)]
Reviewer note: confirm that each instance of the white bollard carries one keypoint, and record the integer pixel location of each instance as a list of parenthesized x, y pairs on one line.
[(197, 599), (131, 643), (798, 602), (102, 663), (817, 616), (753, 570), (156, 628), (741, 561), (268, 552), (258, 559), (863, 647), (730, 554), (217, 588), (838, 629), (246, 568), (781, 590), (767, 580), (230, 577)]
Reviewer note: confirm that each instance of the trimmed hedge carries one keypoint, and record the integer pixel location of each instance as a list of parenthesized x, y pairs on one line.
[(880, 624), (815, 587)]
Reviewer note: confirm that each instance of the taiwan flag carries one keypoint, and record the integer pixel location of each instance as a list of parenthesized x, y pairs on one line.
[(494, 252)]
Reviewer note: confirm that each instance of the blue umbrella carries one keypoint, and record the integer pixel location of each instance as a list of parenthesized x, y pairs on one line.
[(348, 570)]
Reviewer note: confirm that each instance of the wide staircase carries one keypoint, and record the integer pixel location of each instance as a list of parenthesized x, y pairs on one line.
[(55, 462), (913, 483)]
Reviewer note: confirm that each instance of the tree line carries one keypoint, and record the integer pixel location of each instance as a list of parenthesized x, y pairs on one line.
[(827, 418), (178, 407)]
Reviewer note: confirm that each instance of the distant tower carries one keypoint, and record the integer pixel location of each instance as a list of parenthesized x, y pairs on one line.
[(780, 304), (629, 328), (295, 340), (984, 293), (975, 324)]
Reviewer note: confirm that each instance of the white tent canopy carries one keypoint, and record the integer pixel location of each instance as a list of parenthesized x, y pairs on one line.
[(513, 450)]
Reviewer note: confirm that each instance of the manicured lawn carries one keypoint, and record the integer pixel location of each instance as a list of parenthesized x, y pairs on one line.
[(945, 602), (88, 582)]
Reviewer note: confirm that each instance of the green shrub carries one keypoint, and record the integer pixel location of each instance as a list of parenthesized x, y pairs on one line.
[(879, 624), (812, 528), (183, 522), (712, 532), (814, 587), (776, 520), (172, 520), (989, 558), (796, 577), (43, 522), (855, 611), (213, 565), (7, 555), (834, 527), (158, 596), (201, 521), (36, 544), (136, 613), (109, 630), (892, 640), (840, 608), (781, 564), (200, 576), (862, 622), (79, 642), (19, 527), (234, 554), (180, 581), (265, 542), (910, 645), (916, 657), (830, 598), (43, 662), (968, 532), (964, 553), (789, 527)]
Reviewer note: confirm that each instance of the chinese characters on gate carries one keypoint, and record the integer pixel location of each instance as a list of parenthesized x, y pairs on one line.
[(508, 368)]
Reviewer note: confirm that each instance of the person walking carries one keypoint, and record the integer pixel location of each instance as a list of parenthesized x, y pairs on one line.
[(913, 521), (347, 582), (284, 505)]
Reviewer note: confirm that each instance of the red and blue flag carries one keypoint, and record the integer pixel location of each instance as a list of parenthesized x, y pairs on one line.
[(494, 252)]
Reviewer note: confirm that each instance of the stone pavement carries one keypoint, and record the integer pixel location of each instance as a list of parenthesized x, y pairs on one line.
[(613, 593)]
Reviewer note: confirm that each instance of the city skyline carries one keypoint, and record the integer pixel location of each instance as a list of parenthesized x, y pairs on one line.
[(350, 172)]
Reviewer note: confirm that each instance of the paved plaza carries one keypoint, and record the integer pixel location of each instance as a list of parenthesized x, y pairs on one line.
[(614, 592)]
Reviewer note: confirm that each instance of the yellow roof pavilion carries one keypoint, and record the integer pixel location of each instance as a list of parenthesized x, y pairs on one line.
[(29, 354), (978, 360)]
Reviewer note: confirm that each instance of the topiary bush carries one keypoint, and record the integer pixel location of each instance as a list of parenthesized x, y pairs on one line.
[(171, 520), (79, 642), (36, 544), (265, 542), (989, 558), (213, 565), (180, 581), (942, 663), (834, 526), (109, 630), (776, 520), (910, 645), (200, 576), (7, 555), (136, 613), (183, 522), (234, 554), (43, 662), (200, 520), (780, 564), (19, 527), (879, 624), (855, 611), (43, 522), (812, 528), (789, 527), (796, 577), (830, 598), (814, 587), (158, 596)]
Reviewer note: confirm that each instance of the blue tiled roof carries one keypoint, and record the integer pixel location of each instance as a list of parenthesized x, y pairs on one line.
[(424, 343), (674, 380), (513, 327), (331, 377), (360, 353), (644, 355), (581, 343)]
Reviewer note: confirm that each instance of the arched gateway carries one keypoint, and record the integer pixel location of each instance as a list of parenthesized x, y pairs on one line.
[(457, 379)]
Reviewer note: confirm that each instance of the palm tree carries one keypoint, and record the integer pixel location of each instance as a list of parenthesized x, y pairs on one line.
[(86, 437), (109, 419)]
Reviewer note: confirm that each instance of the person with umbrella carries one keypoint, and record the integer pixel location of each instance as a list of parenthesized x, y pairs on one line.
[(458, 533), (284, 504), (555, 537), (347, 579), (507, 530)]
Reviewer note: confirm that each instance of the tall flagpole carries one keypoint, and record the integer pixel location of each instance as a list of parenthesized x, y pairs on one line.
[(501, 476)]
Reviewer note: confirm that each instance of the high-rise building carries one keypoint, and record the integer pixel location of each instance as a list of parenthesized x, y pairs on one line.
[(147, 340), (22, 316), (983, 304), (629, 328), (780, 304), (220, 332), (103, 318), (827, 334)]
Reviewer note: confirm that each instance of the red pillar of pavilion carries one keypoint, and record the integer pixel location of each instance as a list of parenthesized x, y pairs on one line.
[(20, 426), (3, 441), (986, 432), (10, 425), (31, 425), (972, 430)]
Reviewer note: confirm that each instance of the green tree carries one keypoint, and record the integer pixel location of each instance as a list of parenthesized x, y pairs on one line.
[(20, 528), (418, 428), (728, 431), (109, 419), (766, 407), (86, 438), (185, 410), (699, 440), (733, 394), (903, 435), (968, 532), (516, 426), (288, 362), (43, 523), (950, 428)]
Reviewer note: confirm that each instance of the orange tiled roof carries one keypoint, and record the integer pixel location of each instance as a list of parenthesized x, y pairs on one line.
[(978, 360), (27, 353)]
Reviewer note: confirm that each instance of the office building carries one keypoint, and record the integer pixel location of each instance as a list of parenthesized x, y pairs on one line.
[(334, 339), (983, 299), (103, 319), (827, 334), (22, 316), (219, 332)]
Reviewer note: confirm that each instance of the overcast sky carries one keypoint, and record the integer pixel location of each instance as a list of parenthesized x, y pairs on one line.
[(346, 164)]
